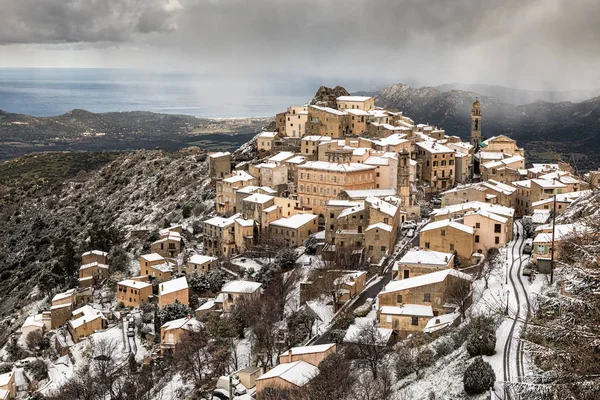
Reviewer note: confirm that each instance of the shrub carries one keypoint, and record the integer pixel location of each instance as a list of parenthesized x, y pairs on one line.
[(482, 337), (478, 377), (186, 211), (38, 369), (5, 368), (444, 347)]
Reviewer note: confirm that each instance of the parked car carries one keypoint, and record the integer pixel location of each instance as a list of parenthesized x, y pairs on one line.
[(528, 246), (411, 233), (22, 363), (436, 201), (410, 224), (130, 332)]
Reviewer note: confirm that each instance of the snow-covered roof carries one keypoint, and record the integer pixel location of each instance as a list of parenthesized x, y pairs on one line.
[(207, 305), (298, 373), (163, 267), (220, 221), (33, 320), (352, 210), (382, 206), (152, 257), (379, 225), (85, 314), (93, 264), (296, 160), (343, 203), (295, 221), (271, 209), (320, 348), (266, 165), (499, 186), (440, 322), (540, 216), (364, 193), (134, 284), (377, 160), (329, 110), (281, 156), (95, 252), (245, 222), (428, 257), (4, 394), (354, 98), (563, 198), (487, 214), (259, 198), (200, 259), (474, 205), (337, 167), (548, 184), (63, 295), (5, 378), (239, 176), (356, 112), (172, 286), (433, 147), (316, 138), (240, 286), (181, 323), (447, 223), (408, 309), (392, 140), (422, 280), (219, 154), (269, 135)]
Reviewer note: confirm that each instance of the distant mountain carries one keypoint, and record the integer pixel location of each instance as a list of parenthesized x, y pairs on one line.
[(83, 130), (519, 96), (546, 130)]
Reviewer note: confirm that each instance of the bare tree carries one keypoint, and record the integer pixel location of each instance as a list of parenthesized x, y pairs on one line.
[(334, 380), (104, 367), (458, 293), (489, 265), (369, 349)]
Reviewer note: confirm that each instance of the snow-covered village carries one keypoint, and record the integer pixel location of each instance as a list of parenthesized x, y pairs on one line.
[(346, 252)]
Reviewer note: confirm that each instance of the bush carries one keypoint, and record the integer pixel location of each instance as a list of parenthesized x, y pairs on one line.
[(482, 337), (186, 211), (444, 347), (478, 377), (38, 369), (5, 368)]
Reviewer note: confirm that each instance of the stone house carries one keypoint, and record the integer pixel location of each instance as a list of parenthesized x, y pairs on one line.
[(310, 354), (406, 318), (436, 163), (92, 273), (428, 290), (448, 236), (266, 141), (85, 322), (200, 264), (295, 121), (173, 290), (416, 262), (172, 332), (225, 201), (288, 376), (170, 245), (379, 240), (132, 293), (219, 236), (219, 164), (325, 121), (101, 257), (295, 229), (233, 291), (490, 230), (8, 386)]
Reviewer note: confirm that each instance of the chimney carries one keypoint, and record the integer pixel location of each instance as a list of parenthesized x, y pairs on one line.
[(162, 287)]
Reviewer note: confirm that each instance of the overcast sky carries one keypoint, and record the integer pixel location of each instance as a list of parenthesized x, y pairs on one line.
[(533, 44)]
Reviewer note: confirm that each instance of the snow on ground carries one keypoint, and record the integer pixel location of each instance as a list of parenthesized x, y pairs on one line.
[(325, 313), (243, 350), (169, 392), (59, 373)]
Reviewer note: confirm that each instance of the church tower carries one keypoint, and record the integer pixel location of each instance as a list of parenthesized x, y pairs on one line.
[(404, 178), (476, 125)]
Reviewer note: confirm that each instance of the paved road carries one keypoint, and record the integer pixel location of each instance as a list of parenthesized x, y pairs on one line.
[(370, 292)]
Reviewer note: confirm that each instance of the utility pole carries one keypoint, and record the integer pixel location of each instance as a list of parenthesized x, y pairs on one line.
[(552, 248)]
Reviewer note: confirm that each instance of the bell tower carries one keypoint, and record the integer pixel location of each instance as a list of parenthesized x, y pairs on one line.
[(404, 178), (476, 125)]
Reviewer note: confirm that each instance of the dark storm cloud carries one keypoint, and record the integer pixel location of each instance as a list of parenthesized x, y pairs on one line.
[(519, 42), (72, 21)]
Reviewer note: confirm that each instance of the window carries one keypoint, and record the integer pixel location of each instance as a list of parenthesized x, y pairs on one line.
[(415, 321), (443, 233), (426, 245), (406, 274), (477, 225), (476, 238), (451, 246), (399, 299), (427, 297), (497, 240), (497, 228)]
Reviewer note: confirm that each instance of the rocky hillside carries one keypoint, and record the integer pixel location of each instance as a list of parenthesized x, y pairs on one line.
[(545, 129), (122, 204), (326, 96)]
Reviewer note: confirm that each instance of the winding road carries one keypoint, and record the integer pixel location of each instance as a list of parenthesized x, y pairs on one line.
[(518, 309)]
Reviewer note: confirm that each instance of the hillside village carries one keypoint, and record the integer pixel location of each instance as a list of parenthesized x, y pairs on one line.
[(346, 234)]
